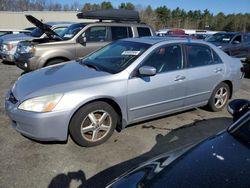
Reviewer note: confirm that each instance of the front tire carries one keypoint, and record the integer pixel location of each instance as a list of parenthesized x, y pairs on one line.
[(93, 124), (219, 97)]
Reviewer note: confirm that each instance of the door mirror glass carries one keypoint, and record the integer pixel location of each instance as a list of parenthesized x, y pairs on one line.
[(238, 108), (147, 71)]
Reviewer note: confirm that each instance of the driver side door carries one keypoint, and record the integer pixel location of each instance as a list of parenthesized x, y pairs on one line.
[(160, 94), (96, 37)]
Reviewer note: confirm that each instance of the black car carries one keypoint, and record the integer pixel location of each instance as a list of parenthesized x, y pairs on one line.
[(219, 161), (236, 44)]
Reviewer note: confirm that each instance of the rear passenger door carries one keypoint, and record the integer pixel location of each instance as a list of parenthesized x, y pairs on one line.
[(205, 71), (120, 32)]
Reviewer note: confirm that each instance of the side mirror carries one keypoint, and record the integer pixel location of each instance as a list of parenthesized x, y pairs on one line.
[(82, 41), (236, 42), (147, 71), (238, 108)]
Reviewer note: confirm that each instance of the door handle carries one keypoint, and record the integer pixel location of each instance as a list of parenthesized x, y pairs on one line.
[(217, 70), (179, 78)]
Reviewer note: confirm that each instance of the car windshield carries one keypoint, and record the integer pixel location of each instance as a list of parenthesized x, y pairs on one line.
[(220, 38), (71, 31), (36, 32), (115, 57)]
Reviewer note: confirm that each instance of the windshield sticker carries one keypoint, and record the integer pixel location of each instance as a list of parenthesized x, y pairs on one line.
[(226, 39), (68, 35), (131, 53)]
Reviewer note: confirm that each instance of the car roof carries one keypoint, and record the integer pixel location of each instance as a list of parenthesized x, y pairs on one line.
[(230, 33), (155, 40), (59, 23)]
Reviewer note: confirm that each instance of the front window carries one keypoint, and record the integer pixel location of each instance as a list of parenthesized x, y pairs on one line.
[(165, 59), (220, 38), (96, 34), (117, 56)]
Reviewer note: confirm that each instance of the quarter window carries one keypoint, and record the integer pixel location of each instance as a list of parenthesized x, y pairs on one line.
[(165, 59), (198, 55), (96, 34), (143, 31)]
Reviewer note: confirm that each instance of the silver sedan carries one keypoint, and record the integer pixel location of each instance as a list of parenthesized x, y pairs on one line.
[(128, 81)]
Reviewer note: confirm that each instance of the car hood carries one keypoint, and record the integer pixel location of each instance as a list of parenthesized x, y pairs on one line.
[(56, 79), (44, 27), (220, 161), (15, 37)]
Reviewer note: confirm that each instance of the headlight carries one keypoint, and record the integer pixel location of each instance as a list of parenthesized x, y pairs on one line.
[(7, 47), (41, 104), (25, 49)]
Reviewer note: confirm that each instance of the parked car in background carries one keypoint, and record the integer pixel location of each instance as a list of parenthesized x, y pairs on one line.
[(127, 81), (12, 31), (91, 36), (233, 43), (200, 36), (181, 36), (30, 28), (236, 44), (8, 43), (219, 161)]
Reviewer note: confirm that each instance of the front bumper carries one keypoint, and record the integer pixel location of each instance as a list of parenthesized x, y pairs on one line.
[(7, 57), (51, 126), (26, 62)]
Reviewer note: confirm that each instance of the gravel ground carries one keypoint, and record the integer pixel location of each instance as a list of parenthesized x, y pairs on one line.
[(27, 163)]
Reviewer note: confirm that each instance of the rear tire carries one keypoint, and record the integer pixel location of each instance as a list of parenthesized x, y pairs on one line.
[(93, 124), (219, 97)]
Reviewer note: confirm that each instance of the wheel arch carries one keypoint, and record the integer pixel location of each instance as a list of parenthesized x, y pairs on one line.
[(55, 58), (230, 84), (109, 101)]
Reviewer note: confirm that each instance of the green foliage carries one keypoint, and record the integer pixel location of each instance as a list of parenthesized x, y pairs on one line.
[(127, 6), (106, 5), (161, 17)]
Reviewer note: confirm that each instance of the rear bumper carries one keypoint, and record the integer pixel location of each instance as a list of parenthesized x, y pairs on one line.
[(51, 126)]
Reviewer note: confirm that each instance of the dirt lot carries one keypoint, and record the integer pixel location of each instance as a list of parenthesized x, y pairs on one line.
[(26, 163)]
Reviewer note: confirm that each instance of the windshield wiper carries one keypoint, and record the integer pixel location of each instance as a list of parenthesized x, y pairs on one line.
[(89, 65)]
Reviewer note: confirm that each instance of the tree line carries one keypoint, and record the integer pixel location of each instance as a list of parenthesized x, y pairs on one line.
[(160, 17)]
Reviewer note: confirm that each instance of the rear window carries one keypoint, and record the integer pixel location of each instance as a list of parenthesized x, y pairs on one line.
[(143, 31), (120, 32)]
